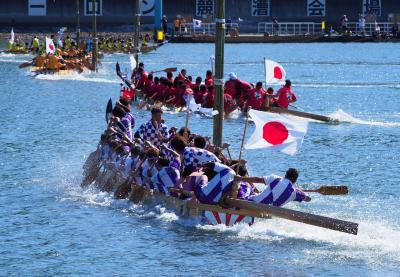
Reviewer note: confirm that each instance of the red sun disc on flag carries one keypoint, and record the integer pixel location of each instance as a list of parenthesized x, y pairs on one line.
[(275, 132), (277, 72), (51, 46)]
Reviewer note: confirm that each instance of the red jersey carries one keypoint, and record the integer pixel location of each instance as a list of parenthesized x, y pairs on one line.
[(209, 82), (208, 99), (256, 98), (285, 97), (228, 102)]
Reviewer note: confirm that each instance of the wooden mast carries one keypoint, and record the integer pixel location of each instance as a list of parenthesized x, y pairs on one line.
[(78, 24), (94, 50), (137, 31), (219, 72)]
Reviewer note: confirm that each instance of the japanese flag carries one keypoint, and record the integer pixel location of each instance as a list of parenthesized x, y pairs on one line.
[(50, 48), (282, 132), (274, 73)]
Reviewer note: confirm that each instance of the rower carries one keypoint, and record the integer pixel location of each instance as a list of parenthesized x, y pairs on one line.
[(39, 61), (154, 131), (278, 190), (256, 98), (284, 96), (236, 87), (35, 44), (54, 63)]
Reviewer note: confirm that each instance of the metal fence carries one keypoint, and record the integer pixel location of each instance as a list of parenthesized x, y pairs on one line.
[(301, 28), (289, 28), (369, 29), (204, 28)]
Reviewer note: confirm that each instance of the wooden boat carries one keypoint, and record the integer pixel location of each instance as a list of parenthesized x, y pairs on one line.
[(240, 211), (303, 114), (206, 214)]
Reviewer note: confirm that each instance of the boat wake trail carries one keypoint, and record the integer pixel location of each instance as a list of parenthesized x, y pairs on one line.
[(74, 77), (342, 116), (374, 242)]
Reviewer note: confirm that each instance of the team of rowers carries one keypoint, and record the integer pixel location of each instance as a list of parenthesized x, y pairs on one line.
[(171, 91), (106, 44), (176, 163)]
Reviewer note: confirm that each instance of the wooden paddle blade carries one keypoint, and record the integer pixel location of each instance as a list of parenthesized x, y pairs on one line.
[(109, 110), (333, 190), (25, 64), (118, 68), (170, 69)]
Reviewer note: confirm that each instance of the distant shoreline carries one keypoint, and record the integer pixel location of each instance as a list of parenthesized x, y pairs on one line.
[(242, 38)]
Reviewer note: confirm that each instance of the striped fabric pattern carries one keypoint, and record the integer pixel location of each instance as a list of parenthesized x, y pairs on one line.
[(211, 192), (278, 192)]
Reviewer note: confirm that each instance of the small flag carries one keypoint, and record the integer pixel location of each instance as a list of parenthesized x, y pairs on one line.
[(59, 36), (274, 73), (12, 36), (282, 132), (50, 48), (196, 23)]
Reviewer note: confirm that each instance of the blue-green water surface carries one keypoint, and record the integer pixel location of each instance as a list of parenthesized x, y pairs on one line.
[(49, 226)]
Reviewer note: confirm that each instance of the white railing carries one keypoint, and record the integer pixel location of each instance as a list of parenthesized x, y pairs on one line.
[(289, 28), (205, 28), (301, 28), (369, 29)]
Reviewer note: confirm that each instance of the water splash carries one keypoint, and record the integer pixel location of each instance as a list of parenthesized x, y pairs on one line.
[(75, 77), (342, 116), (374, 242)]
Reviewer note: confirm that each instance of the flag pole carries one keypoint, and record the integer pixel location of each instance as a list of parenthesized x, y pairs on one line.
[(244, 135), (266, 87)]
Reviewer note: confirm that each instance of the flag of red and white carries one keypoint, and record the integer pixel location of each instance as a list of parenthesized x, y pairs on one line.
[(196, 23), (50, 48), (281, 132), (274, 73)]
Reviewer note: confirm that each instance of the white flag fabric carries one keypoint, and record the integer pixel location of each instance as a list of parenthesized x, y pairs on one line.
[(274, 73), (59, 36), (12, 36), (196, 23), (194, 107), (191, 103), (281, 132), (50, 48)]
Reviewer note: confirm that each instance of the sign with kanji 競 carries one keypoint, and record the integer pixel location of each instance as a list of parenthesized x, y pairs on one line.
[(260, 7), (204, 7), (372, 7), (315, 7)]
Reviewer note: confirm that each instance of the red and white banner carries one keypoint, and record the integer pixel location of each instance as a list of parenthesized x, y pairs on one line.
[(274, 73), (50, 48), (281, 132)]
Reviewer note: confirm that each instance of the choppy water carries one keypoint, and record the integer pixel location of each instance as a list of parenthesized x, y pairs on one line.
[(51, 227)]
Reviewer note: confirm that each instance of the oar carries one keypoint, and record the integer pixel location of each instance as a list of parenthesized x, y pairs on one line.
[(330, 190), (307, 218), (126, 81), (168, 69), (109, 110), (25, 64)]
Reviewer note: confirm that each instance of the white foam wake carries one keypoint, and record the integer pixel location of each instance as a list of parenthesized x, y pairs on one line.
[(75, 77), (376, 242), (342, 116)]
